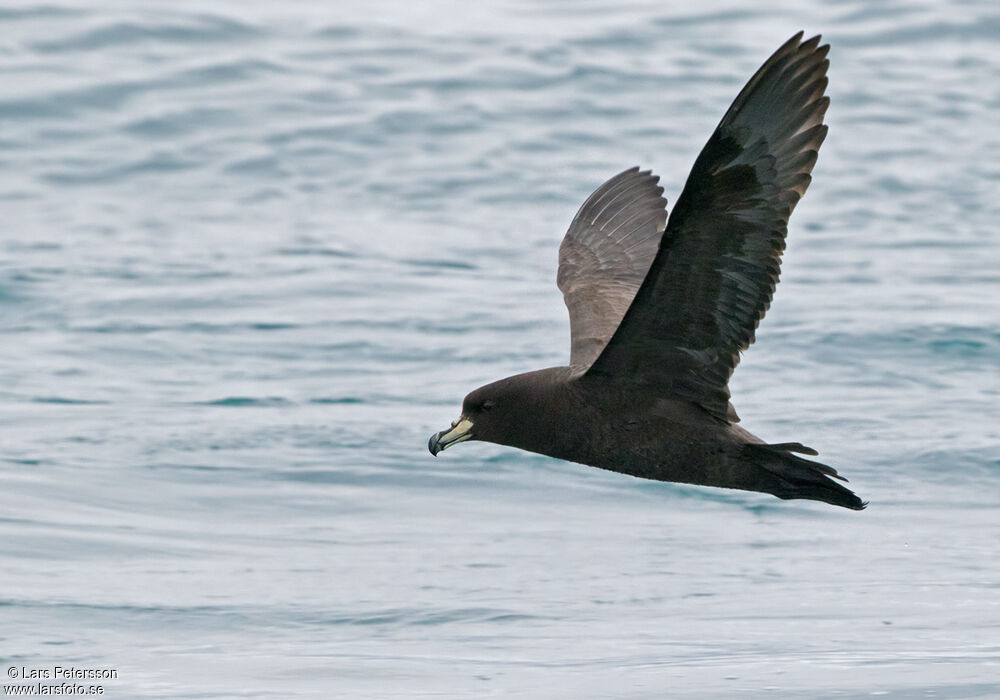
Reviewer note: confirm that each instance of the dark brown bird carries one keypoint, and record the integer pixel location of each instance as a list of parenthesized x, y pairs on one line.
[(661, 310)]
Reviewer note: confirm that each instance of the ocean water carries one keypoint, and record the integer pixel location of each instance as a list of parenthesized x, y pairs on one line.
[(254, 254)]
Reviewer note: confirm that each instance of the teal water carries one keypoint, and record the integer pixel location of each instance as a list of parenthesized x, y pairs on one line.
[(253, 255)]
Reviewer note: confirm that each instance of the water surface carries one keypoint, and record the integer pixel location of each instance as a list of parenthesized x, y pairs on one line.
[(253, 255)]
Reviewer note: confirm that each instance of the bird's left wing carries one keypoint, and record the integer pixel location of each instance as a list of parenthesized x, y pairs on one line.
[(605, 256), (715, 272)]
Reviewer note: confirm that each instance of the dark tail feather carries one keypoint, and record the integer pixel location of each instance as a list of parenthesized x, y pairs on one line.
[(796, 477), (795, 447)]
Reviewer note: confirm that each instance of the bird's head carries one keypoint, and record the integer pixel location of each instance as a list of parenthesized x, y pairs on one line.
[(510, 412), (485, 414)]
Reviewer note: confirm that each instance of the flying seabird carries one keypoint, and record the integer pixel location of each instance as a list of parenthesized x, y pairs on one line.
[(660, 309)]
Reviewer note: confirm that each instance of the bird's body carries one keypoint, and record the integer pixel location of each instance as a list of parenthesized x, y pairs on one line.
[(661, 310)]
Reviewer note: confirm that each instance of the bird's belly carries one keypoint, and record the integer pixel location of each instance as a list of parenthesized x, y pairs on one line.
[(665, 450)]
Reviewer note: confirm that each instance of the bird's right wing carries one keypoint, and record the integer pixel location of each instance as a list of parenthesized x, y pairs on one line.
[(717, 266), (605, 256)]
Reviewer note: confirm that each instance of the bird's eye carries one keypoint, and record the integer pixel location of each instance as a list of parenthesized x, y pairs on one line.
[(487, 405)]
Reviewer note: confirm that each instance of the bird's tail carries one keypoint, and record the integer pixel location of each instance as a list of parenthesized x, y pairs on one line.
[(795, 477)]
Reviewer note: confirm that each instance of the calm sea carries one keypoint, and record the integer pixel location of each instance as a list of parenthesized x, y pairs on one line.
[(253, 254)]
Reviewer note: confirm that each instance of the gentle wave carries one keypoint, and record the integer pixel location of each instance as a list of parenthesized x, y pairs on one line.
[(254, 257)]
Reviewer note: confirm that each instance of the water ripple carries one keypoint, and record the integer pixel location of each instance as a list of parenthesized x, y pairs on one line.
[(253, 257)]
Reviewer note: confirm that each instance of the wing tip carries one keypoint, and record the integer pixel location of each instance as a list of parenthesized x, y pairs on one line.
[(797, 43), (811, 45)]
